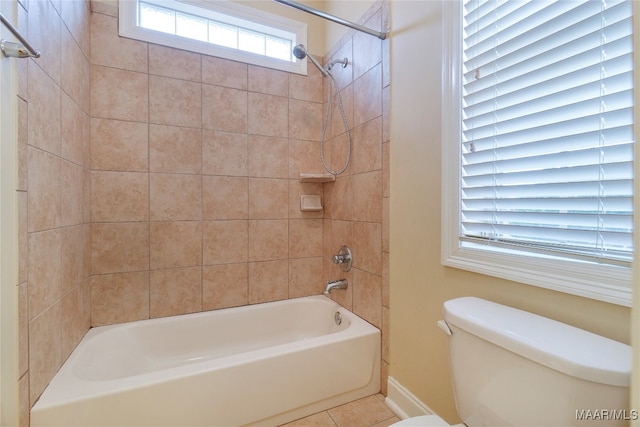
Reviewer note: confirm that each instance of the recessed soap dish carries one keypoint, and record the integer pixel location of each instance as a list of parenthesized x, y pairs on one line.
[(310, 203)]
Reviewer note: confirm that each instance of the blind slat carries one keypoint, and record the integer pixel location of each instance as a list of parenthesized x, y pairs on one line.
[(547, 121)]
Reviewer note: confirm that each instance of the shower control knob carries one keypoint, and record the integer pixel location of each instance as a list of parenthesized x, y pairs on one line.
[(343, 258)]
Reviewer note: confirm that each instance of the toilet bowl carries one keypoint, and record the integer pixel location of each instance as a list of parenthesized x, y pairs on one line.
[(422, 421), (564, 367)]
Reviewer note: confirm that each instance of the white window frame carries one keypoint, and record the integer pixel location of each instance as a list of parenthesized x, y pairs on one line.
[(608, 283), (217, 10)]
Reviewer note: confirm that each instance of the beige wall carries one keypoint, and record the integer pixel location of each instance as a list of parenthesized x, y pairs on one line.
[(352, 11), (316, 42), (419, 283), (8, 230)]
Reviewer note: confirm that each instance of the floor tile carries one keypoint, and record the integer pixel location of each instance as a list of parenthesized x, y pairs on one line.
[(370, 411), (364, 412), (321, 419)]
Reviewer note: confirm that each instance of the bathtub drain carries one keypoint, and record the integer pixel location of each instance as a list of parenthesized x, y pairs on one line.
[(337, 317)]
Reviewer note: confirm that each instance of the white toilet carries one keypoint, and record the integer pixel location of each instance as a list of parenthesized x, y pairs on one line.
[(513, 368)]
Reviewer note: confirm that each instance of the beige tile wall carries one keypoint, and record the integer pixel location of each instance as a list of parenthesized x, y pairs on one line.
[(161, 182), (358, 201), (53, 191), (194, 180)]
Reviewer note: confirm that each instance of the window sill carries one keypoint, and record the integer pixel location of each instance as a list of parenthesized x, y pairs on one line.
[(604, 283)]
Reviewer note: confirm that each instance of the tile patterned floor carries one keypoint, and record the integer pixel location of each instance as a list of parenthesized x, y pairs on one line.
[(367, 412)]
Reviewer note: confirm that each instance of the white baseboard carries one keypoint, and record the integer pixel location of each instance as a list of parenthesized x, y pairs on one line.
[(403, 403)]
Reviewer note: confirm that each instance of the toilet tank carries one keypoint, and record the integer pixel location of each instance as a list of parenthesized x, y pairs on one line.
[(514, 368)]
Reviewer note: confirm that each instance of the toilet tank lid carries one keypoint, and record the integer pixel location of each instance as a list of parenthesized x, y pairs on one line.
[(559, 346)]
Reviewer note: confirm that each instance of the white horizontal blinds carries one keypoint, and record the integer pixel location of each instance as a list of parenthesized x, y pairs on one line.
[(548, 127)]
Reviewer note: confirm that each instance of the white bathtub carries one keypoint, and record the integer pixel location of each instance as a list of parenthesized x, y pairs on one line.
[(258, 365)]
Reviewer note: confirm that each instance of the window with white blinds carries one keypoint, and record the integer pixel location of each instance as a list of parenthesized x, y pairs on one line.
[(546, 131)]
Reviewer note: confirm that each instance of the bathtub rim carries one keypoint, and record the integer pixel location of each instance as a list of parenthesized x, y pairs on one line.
[(66, 386)]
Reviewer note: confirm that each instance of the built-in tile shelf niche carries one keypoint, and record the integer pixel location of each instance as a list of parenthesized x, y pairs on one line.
[(317, 177)]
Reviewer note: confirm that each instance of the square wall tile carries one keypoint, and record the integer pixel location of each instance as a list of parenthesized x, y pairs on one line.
[(72, 193), (268, 80), (119, 196), (45, 270), (175, 149), (305, 277), (367, 93), (176, 291), (305, 238), (176, 63), (304, 157), (43, 111), (118, 298), (75, 78), (45, 349), (119, 94), (268, 198), (367, 243), (71, 128), (44, 195), (268, 157), (175, 197), (176, 244), (119, 247), (175, 102), (75, 320), (43, 16), (268, 240), (305, 120), (268, 281), (367, 50), (225, 242), (367, 146), (341, 199), (225, 285), (75, 250), (111, 50), (268, 115), (224, 153), (367, 196), (367, 297), (336, 124), (224, 109), (306, 88), (225, 197), (223, 72), (119, 145)]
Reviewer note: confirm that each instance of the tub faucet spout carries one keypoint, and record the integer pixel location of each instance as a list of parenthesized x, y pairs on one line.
[(336, 284)]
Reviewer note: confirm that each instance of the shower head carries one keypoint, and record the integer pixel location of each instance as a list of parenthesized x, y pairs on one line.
[(300, 52)]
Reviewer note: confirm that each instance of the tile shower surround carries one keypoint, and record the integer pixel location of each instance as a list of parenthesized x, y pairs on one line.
[(166, 182)]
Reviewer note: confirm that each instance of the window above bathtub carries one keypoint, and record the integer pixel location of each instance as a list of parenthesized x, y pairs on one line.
[(218, 28), (539, 143)]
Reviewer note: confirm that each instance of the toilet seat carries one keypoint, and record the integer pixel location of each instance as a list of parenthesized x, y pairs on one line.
[(422, 421)]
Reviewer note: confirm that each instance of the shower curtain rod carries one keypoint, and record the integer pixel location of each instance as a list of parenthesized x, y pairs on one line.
[(10, 49), (333, 18)]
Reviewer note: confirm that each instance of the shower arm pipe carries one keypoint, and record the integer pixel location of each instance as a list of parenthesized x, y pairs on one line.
[(333, 18), (11, 49)]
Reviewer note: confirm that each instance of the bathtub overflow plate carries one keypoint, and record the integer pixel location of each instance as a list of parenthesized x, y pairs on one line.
[(338, 318)]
